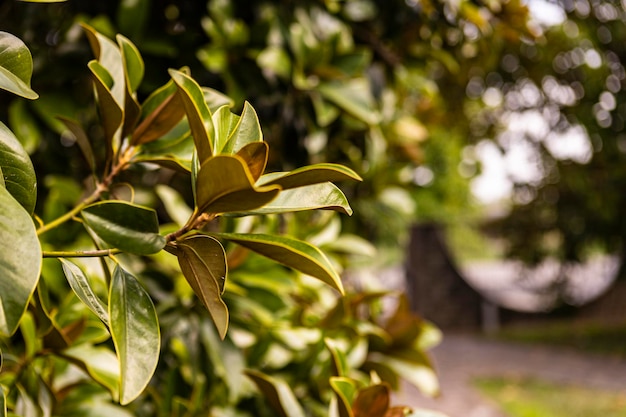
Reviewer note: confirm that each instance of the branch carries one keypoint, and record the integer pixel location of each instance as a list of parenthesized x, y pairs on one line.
[(80, 253)]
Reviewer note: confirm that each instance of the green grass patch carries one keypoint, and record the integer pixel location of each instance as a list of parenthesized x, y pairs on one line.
[(535, 398), (598, 338)]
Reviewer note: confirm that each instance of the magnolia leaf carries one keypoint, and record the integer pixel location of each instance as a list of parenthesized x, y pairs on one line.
[(17, 170), (99, 362), (198, 113), (278, 393), (247, 130), (125, 226), (215, 99), (23, 123), (82, 288), (290, 252), (174, 149), (16, 66), (135, 331), (20, 261), (82, 140), (372, 401), (203, 262), (161, 112), (312, 197), (338, 360), (132, 61), (224, 123), (255, 155), (353, 97), (111, 111), (225, 184), (345, 389), (308, 175), (109, 57)]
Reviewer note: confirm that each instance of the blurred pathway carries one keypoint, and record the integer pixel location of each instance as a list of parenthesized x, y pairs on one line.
[(459, 358)]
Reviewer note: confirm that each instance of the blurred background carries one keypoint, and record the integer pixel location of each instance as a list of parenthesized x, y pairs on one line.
[(490, 136)]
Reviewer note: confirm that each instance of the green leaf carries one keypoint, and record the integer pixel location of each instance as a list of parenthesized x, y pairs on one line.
[(278, 393), (203, 262), (372, 401), (20, 261), (17, 169), (198, 113), (255, 156), (215, 99), (310, 174), (353, 97), (111, 112), (346, 391), (225, 184), (224, 123), (135, 331), (125, 226), (247, 131), (82, 288), (99, 362), (312, 197), (293, 253), (132, 61), (3, 402), (161, 112), (16, 66), (174, 149), (110, 58), (338, 360), (24, 125)]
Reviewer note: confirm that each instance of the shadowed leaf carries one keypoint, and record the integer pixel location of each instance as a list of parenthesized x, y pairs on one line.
[(17, 170), (279, 395), (247, 131), (16, 66), (255, 156), (372, 401), (346, 391), (160, 113), (82, 288)]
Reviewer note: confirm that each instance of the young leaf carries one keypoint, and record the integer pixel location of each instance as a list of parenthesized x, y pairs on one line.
[(225, 184), (325, 196), (311, 174), (224, 122), (125, 226), (247, 131), (16, 66), (346, 391), (293, 253), (135, 331), (17, 169), (111, 112), (133, 74), (20, 261), (372, 401), (82, 288), (255, 155), (174, 149), (279, 395), (203, 263), (161, 112), (109, 57), (198, 113)]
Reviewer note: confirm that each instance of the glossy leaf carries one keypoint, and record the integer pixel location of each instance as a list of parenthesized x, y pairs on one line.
[(132, 61), (345, 390), (325, 196), (20, 261), (198, 113), (247, 131), (224, 123), (372, 401), (99, 362), (174, 149), (279, 395), (111, 111), (203, 262), (125, 226), (135, 331), (308, 175), (255, 156), (161, 112), (293, 253), (109, 57), (225, 184), (16, 66), (83, 290), (215, 99), (17, 170)]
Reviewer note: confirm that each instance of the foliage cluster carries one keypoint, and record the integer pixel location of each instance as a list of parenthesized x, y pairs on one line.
[(125, 328)]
